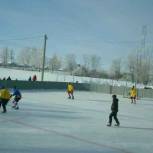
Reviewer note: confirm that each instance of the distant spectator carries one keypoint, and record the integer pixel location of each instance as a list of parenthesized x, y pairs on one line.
[(29, 78), (34, 78), (9, 78)]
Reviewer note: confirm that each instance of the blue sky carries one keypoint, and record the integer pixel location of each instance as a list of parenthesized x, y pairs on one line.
[(108, 28)]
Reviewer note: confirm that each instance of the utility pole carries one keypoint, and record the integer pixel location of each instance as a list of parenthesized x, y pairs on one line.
[(44, 54)]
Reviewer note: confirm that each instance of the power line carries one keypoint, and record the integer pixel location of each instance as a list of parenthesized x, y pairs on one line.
[(122, 42), (22, 38)]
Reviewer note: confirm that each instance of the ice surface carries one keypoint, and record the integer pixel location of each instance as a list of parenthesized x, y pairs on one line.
[(49, 122)]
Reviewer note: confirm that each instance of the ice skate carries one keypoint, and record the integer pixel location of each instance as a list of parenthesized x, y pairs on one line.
[(17, 107), (117, 125), (108, 124)]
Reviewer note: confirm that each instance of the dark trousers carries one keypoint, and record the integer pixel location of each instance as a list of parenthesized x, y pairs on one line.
[(71, 94), (15, 102), (113, 114), (16, 98), (4, 103)]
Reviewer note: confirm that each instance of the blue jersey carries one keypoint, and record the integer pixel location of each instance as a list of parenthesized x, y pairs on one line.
[(1, 86), (16, 92)]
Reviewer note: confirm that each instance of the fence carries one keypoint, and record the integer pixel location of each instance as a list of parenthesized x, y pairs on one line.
[(108, 89)]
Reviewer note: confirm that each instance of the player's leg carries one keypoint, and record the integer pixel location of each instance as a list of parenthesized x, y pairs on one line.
[(134, 100), (13, 103), (69, 94), (116, 119), (16, 102), (72, 95), (4, 103), (131, 99), (17, 106), (110, 119)]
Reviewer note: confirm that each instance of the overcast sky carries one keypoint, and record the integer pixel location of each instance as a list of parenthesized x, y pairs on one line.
[(108, 28)]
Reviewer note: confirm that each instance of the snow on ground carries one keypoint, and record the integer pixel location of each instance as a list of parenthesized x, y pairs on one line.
[(48, 122), (60, 77)]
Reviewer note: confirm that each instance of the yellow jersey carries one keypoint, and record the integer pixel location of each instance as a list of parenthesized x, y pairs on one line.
[(133, 92), (5, 94), (70, 88)]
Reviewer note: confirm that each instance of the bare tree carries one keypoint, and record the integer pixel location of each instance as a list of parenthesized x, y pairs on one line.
[(70, 62), (30, 57), (86, 61), (139, 65), (24, 56), (12, 56), (36, 58), (55, 63), (4, 56), (91, 64), (7, 56), (95, 62), (116, 68), (132, 66)]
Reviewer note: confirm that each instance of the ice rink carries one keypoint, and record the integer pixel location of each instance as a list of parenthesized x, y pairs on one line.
[(49, 122)]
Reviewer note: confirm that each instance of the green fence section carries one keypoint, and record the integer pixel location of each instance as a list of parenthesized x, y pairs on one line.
[(122, 90), (100, 88), (118, 90), (147, 93), (108, 89), (42, 85)]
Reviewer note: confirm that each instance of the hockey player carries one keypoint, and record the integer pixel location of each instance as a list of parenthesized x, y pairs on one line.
[(17, 96), (4, 98), (114, 109), (133, 94), (70, 90)]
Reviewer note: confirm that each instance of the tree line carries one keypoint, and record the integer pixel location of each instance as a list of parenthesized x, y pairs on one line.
[(138, 67)]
